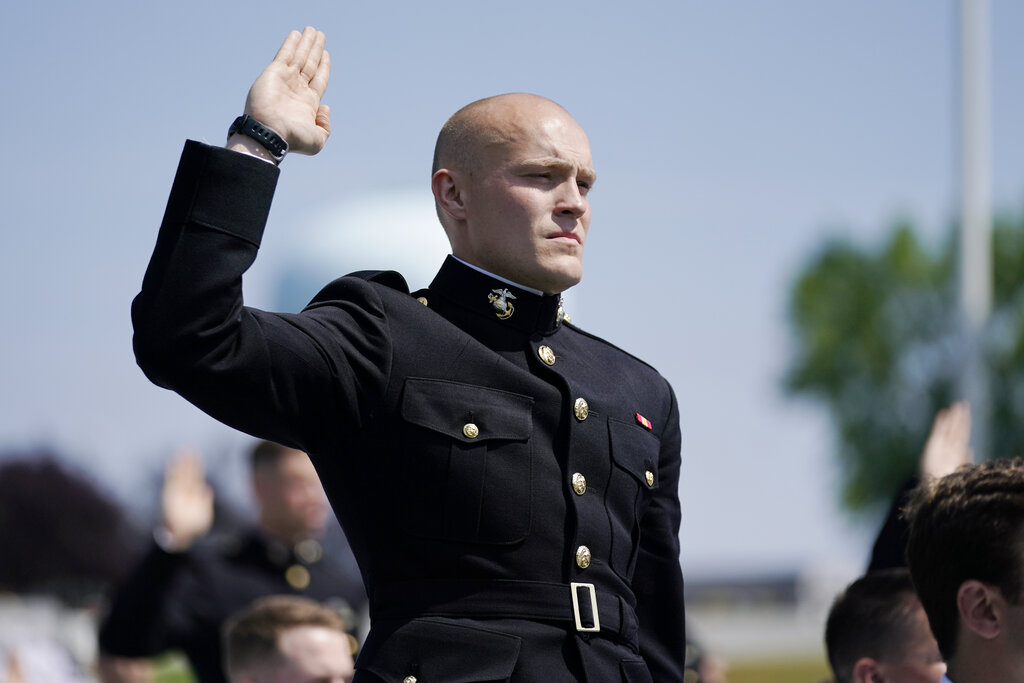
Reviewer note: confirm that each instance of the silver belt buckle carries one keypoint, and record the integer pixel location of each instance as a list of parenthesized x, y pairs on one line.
[(593, 608)]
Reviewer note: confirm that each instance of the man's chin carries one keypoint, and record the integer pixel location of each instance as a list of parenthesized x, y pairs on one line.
[(559, 281)]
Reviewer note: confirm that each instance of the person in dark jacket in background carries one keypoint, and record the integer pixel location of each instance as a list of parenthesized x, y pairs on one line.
[(187, 585)]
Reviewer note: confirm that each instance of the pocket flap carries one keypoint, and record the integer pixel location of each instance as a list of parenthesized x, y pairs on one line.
[(450, 407), (635, 450), (635, 671), (438, 650)]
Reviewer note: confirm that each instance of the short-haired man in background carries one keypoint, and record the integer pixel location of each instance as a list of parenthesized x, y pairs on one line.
[(188, 584), (966, 556), (877, 632), (287, 639)]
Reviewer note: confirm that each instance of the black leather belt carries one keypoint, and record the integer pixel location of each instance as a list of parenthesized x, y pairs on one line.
[(573, 603)]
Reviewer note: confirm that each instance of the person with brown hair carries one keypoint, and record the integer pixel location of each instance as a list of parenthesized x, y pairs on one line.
[(966, 557), (877, 632), (287, 639)]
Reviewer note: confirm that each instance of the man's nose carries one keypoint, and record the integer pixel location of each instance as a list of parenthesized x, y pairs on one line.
[(572, 202)]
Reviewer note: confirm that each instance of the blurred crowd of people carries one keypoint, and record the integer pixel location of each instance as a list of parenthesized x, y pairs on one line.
[(955, 614), (186, 581), (269, 604)]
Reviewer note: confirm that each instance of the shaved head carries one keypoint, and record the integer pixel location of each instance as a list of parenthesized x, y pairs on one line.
[(510, 182), (483, 124)]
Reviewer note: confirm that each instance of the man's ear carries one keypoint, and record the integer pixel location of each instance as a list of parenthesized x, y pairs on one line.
[(867, 670), (980, 607), (448, 193)]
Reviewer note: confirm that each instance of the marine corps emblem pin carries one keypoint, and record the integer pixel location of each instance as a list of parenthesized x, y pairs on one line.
[(499, 298)]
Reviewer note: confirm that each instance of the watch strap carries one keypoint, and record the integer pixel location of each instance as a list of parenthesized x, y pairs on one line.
[(274, 143)]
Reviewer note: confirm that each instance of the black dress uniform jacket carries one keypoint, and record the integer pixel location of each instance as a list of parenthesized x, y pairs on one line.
[(498, 472), (180, 601)]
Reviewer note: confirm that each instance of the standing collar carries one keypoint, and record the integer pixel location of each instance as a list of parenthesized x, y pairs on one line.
[(498, 277), (494, 298)]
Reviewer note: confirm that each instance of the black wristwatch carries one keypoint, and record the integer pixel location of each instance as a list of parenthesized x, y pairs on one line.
[(247, 125)]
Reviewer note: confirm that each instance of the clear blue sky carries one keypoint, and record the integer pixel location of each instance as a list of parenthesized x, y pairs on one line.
[(731, 139)]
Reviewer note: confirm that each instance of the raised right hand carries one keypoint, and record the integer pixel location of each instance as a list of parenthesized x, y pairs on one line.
[(286, 96), (948, 446), (186, 501)]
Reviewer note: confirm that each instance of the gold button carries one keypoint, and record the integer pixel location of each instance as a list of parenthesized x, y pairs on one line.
[(546, 354), (581, 408), (409, 679), (649, 476), (583, 557), (422, 300), (579, 484), (309, 551), (471, 430), (297, 577)]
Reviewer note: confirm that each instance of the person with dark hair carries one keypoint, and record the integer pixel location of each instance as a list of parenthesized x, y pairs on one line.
[(287, 639), (877, 632), (509, 482), (72, 550), (948, 447), (187, 584), (966, 556)]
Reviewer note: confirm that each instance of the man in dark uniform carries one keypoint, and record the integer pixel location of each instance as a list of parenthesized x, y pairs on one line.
[(508, 482), (189, 583)]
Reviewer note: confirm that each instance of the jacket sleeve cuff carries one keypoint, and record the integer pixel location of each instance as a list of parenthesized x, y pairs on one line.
[(222, 190)]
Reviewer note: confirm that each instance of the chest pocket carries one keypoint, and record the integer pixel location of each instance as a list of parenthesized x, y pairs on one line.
[(634, 474), (466, 462)]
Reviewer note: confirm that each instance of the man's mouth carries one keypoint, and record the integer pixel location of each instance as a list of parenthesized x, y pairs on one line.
[(566, 238)]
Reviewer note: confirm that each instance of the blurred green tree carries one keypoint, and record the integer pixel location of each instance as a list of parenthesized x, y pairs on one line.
[(878, 341)]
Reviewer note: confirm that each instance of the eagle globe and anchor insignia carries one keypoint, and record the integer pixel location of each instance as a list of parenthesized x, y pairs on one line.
[(499, 298)]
